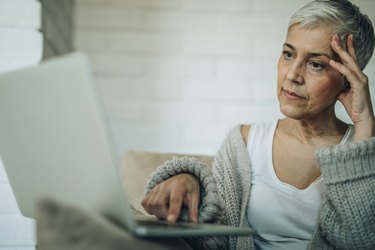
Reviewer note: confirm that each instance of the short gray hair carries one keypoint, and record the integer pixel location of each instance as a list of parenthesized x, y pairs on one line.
[(345, 19)]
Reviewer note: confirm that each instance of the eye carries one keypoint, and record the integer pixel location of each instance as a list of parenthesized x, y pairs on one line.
[(287, 55), (317, 66)]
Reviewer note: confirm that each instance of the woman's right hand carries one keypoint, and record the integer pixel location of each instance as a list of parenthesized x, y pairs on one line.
[(166, 199), (357, 100)]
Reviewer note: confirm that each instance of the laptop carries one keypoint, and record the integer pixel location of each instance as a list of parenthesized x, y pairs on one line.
[(55, 142)]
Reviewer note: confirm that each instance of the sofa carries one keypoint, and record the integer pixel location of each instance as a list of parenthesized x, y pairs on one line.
[(67, 227)]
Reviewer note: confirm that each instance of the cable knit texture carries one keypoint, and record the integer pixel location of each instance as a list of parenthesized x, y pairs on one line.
[(210, 202), (347, 217)]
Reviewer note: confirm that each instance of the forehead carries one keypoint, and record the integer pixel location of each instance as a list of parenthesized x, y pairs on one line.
[(316, 39)]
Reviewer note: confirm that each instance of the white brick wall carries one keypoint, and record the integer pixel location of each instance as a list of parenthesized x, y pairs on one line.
[(21, 42), (20, 45), (20, 14), (177, 74)]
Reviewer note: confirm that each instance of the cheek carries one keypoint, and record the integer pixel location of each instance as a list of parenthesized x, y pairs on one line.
[(327, 92), (280, 72), (336, 86)]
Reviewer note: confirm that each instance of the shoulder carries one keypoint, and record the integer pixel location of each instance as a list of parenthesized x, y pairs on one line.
[(239, 134), (245, 130), (261, 127), (237, 137)]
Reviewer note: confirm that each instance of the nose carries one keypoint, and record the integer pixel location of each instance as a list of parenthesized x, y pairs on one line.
[(295, 73)]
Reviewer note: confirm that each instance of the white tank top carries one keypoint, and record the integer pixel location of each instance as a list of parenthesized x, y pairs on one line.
[(283, 216)]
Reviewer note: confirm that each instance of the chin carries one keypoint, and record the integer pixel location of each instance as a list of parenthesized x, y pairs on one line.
[(291, 112)]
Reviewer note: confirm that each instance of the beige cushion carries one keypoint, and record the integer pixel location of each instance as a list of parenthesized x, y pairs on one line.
[(137, 166)]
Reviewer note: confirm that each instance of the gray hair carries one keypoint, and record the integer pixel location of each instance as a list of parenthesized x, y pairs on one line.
[(345, 19)]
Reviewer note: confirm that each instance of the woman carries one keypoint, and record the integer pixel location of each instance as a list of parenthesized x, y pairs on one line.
[(305, 181)]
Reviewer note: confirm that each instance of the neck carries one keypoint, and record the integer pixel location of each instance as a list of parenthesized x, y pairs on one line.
[(313, 130)]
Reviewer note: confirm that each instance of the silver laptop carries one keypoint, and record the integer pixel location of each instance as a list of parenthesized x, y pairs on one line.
[(55, 142)]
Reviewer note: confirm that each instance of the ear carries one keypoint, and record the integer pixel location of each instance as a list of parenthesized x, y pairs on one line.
[(345, 84), (345, 87)]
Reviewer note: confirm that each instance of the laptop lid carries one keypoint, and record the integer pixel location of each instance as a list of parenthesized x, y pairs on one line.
[(54, 140)]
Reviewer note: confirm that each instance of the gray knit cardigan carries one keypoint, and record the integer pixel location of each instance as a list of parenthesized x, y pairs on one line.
[(347, 215)]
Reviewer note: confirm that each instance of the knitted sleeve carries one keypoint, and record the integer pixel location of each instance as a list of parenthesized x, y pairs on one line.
[(231, 171), (210, 205), (347, 216)]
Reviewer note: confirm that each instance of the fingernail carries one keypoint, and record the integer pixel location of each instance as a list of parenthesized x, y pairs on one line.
[(171, 217), (335, 41)]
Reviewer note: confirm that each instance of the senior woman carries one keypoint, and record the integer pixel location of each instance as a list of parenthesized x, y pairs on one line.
[(305, 181)]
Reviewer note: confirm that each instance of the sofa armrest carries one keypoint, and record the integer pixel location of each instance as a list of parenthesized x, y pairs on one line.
[(137, 167)]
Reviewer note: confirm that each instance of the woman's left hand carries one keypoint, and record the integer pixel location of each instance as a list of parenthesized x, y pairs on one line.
[(356, 100)]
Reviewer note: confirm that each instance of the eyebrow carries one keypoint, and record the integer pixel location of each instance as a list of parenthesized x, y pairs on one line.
[(313, 54)]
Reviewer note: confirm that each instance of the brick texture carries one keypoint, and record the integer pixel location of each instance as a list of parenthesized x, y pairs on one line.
[(177, 75), (21, 45)]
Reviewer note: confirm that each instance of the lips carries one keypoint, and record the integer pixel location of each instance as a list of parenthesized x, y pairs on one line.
[(292, 95)]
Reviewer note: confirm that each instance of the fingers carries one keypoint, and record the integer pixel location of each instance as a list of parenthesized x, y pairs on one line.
[(193, 207), (165, 201), (349, 66), (175, 204), (352, 76), (156, 202), (357, 101), (350, 47), (347, 56)]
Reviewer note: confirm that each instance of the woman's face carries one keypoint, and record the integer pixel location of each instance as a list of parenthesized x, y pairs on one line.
[(307, 85)]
